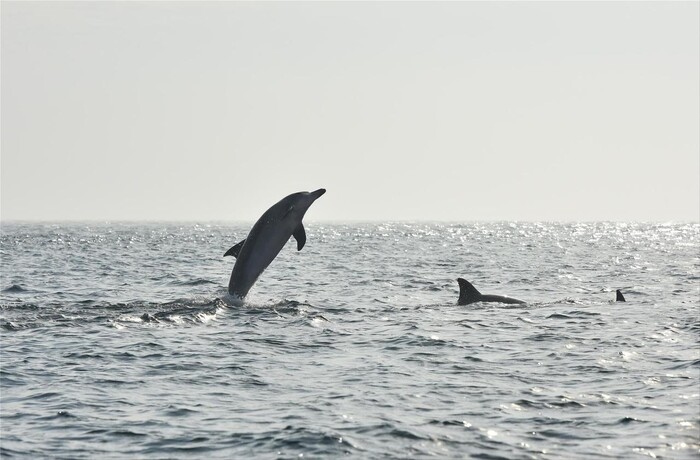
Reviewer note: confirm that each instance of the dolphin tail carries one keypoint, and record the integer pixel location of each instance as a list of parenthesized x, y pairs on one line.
[(619, 297), (234, 250), (467, 292)]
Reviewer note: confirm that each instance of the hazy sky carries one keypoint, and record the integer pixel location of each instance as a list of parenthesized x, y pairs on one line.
[(402, 111)]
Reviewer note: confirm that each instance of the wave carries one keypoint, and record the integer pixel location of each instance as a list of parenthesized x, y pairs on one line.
[(26, 315), (15, 289), (194, 282), (20, 315)]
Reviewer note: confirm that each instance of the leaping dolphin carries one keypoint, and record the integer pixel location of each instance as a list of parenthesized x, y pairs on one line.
[(469, 294), (267, 238)]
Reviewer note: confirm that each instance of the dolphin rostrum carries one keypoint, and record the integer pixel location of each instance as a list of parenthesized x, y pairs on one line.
[(469, 294), (267, 238), (619, 297)]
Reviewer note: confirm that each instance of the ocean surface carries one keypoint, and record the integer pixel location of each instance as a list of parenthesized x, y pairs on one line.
[(117, 341)]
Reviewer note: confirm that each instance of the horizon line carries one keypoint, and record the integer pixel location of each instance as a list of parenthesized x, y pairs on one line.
[(336, 221)]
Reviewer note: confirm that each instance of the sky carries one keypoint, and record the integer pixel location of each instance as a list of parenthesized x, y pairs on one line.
[(447, 111)]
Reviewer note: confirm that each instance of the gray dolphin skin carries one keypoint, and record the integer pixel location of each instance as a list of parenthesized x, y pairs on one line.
[(619, 297), (469, 294), (267, 238)]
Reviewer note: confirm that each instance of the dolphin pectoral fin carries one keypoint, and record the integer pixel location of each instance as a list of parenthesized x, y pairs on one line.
[(467, 292), (300, 235), (234, 250), (619, 297)]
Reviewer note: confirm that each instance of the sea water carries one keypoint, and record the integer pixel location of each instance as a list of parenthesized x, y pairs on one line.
[(117, 341)]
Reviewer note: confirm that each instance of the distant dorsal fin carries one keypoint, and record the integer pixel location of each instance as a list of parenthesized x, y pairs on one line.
[(619, 297), (300, 235), (234, 250), (467, 292)]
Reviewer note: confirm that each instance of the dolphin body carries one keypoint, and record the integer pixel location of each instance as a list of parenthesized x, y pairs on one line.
[(469, 294), (267, 238)]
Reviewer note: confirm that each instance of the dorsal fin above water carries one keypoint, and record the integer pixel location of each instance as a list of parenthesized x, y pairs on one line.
[(234, 250), (619, 297), (467, 292), (300, 235)]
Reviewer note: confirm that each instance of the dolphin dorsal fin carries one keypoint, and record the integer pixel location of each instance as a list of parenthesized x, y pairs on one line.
[(300, 235), (619, 297), (467, 292), (234, 250)]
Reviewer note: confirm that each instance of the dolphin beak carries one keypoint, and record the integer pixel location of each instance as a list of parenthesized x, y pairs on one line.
[(318, 193)]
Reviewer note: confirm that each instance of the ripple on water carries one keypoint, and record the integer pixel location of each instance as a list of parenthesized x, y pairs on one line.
[(119, 340)]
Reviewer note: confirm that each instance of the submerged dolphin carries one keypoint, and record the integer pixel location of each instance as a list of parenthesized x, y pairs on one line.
[(619, 297), (267, 238), (469, 294)]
